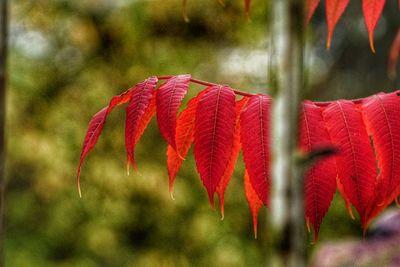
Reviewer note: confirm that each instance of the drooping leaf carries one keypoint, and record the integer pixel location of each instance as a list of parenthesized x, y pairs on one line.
[(138, 114), (184, 136), (254, 201), (254, 136), (213, 137), (355, 127), (96, 126), (372, 10), (394, 54), (381, 116), (334, 10), (311, 6), (355, 159), (320, 183), (169, 98), (223, 184), (345, 198), (378, 202)]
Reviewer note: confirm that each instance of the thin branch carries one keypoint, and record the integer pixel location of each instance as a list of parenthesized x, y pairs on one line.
[(239, 92), (355, 101)]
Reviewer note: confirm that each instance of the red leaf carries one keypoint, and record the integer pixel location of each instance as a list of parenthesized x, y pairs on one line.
[(320, 183), (147, 115), (223, 184), (96, 126), (213, 137), (334, 10), (254, 136), (381, 116), (394, 54), (184, 136), (372, 10), (169, 98), (345, 198), (254, 201), (138, 114), (311, 6), (355, 160)]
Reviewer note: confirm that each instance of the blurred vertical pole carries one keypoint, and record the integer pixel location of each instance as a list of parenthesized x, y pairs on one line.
[(287, 219), (3, 61)]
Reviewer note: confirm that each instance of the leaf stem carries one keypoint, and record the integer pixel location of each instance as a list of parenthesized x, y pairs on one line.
[(238, 92), (355, 101)]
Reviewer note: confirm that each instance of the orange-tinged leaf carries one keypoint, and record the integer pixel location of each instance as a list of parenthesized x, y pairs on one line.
[(345, 198), (138, 114), (147, 116), (378, 203), (169, 98), (320, 182), (223, 184), (394, 54), (372, 10), (381, 116), (311, 6), (355, 160), (213, 136), (253, 200), (254, 136), (96, 126), (334, 10), (184, 136)]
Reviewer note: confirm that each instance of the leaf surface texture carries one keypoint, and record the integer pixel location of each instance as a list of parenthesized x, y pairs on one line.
[(213, 136), (254, 136)]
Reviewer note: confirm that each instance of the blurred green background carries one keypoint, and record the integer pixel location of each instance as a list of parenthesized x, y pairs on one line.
[(68, 58)]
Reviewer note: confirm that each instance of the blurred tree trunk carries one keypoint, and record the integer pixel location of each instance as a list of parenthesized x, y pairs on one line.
[(3, 53), (287, 218)]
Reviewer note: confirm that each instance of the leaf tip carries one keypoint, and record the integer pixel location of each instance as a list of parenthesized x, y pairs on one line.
[(128, 167), (255, 223), (128, 163), (364, 232), (78, 179), (222, 207), (371, 42), (308, 224), (79, 187), (171, 193), (184, 11), (350, 210), (179, 155), (211, 199), (316, 232), (396, 200), (328, 41)]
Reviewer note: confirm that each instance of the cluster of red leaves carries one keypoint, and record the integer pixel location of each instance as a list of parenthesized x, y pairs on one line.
[(365, 132), (372, 10)]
